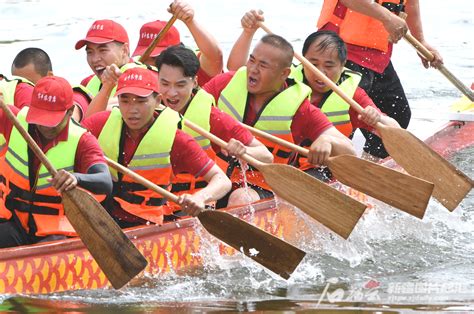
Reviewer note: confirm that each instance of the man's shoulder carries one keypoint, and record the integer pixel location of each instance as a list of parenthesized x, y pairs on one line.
[(86, 81)]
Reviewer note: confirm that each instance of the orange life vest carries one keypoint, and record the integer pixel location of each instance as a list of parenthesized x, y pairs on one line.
[(151, 160), (4, 212), (359, 29), (36, 203)]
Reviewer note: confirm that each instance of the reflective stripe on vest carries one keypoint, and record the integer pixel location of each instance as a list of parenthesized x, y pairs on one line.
[(94, 85), (150, 160), (8, 87), (276, 117), (42, 200), (337, 109), (356, 28)]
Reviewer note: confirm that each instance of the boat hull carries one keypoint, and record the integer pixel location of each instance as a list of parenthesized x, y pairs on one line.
[(67, 265)]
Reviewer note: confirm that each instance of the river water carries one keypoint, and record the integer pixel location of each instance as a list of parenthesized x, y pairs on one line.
[(391, 262)]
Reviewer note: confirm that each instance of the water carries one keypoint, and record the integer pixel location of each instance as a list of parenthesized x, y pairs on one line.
[(391, 261)]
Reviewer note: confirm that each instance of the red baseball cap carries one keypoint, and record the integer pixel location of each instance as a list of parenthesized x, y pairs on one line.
[(138, 81), (52, 97), (104, 31), (149, 31)]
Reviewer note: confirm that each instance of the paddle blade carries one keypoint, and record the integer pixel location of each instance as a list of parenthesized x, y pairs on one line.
[(275, 254), (335, 210), (115, 254), (451, 185), (397, 189)]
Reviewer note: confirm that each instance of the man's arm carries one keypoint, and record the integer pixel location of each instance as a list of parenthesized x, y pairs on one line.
[(330, 143), (97, 179), (394, 25), (90, 169), (211, 57), (239, 140), (240, 51), (188, 157), (416, 29), (310, 123), (109, 80)]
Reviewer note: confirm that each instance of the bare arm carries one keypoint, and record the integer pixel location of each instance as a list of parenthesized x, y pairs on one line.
[(255, 149), (218, 185), (259, 151), (395, 26), (240, 51), (109, 81), (416, 29), (330, 143), (211, 58)]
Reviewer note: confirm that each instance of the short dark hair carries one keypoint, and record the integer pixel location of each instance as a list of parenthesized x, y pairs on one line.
[(179, 56), (282, 44), (330, 39), (38, 57)]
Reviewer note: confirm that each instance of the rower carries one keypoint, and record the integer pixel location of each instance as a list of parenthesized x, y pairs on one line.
[(107, 48), (30, 208), (150, 142), (327, 51), (178, 69), (370, 28), (29, 66), (210, 54), (261, 95)]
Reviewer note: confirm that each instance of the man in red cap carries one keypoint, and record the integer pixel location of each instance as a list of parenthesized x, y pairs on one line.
[(210, 54), (30, 207), (107, 45), (151, 143)]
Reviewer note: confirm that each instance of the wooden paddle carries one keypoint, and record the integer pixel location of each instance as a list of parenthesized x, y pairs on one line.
[(115, 254), (335, 210), (157, 39), (397, 189), (451, 185), (275, 254), (425, 53)]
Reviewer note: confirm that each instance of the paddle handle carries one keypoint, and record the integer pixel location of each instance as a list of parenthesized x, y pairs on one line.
[(139, 179), (296, 148), (157, 39), (216, 140), (31, 142), (429, 56)]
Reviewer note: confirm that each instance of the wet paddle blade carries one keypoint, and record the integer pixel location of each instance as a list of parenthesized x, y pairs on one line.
[(451, 185), (397, 189), (335, 210), (115, 254), (275, 254)]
